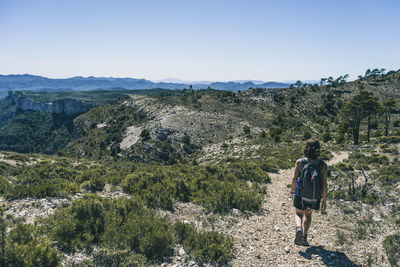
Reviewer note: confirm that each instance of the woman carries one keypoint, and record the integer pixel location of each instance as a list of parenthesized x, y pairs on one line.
[(304, 206)]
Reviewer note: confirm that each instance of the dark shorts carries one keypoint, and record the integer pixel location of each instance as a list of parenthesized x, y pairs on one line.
[(297, 204)]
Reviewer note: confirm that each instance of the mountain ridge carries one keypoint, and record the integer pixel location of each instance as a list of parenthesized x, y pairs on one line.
[(33, 82)]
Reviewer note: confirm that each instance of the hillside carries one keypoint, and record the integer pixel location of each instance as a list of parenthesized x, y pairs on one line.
[(199, 177)]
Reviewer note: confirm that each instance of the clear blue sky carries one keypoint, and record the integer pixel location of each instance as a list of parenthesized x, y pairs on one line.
[(199, 40)]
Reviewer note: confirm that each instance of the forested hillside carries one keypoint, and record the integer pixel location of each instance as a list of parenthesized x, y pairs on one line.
[(166, 177)]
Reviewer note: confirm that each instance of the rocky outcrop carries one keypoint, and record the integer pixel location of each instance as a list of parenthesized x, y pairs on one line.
[(69, 107), (29, 104)]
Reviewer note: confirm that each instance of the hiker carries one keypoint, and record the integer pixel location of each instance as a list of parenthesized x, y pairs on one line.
[(309, 186)]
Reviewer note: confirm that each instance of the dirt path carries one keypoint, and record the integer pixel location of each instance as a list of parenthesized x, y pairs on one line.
[(267, 239)]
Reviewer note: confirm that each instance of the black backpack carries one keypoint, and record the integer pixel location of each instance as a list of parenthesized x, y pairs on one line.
[(309, 184)]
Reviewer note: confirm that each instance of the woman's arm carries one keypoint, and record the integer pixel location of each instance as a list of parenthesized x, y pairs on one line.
[(324, 186), (295, 175)]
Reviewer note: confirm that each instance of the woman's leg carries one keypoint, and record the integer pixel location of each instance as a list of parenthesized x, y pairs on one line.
[(307, 221), (299, 219), (299, 229)]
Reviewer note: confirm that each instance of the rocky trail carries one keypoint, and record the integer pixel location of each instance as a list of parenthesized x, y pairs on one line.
[(267, 239)]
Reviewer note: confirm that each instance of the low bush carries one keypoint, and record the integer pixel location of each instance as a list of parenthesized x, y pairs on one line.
[(79, 225), (390, 139), (207, 245), (4, 185), (112, 257), (389, 174), (24, 247), (128, 233), (391, 243), (217, 188), (343, 166), (269, 165), (249, 171), (374, 159)]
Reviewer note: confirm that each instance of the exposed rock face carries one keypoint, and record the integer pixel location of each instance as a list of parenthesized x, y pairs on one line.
[(71, 106), (67, 106), (131, 137), (29, 104)]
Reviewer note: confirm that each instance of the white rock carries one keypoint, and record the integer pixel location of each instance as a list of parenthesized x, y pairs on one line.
[(377, 218), (287, 249), (181, 252), (235, 212), (276, 227)]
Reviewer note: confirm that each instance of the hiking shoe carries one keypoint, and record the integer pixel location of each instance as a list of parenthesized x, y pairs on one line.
[(304, 241), (298, 239)]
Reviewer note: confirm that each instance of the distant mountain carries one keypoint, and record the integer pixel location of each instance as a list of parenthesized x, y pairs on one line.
[(78, 83), (246, 85), (177, 80)]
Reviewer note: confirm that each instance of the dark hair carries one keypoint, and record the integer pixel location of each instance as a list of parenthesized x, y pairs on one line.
[(312, 149)]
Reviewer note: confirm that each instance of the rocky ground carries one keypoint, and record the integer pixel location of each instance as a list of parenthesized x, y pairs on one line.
[(175, 121), (267, 238)]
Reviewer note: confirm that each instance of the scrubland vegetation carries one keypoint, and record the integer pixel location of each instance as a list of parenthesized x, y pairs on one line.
[(221, 165)]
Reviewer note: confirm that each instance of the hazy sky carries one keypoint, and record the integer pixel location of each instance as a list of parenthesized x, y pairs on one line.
[(199, 40)]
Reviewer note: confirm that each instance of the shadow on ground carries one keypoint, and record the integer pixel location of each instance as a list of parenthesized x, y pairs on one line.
[(328, 257)]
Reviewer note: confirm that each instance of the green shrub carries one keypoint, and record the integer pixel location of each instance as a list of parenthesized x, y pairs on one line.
[(41, 189), (391, 243), (122, 224), (4, 185), (275, 133), (152, 187), (389, 174), (343, 166), (25, 248), (183, 231), (80, 224), (396, 123), (325, 154), (129, 225), (339, 194), (246, 130), (269, 166), (217, 188), (249, 171), (374, 159), (209, 246), (306, 135), (326, 136), (390, 139), (383, 146), (94, 184), (111, 257)]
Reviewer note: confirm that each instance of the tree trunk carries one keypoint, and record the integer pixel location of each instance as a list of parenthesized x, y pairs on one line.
[(387, 123), (356, 132)]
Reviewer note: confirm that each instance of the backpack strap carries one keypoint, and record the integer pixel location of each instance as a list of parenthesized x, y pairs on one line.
[(319, 165), (304, 161)]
